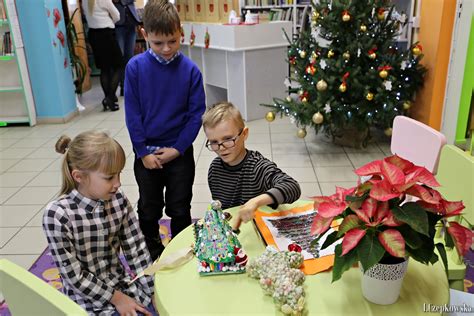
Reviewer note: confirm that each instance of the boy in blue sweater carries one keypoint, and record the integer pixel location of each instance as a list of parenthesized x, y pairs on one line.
[(164, 102)]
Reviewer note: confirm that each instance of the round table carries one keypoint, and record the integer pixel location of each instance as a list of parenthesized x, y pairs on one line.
[(182, 291)]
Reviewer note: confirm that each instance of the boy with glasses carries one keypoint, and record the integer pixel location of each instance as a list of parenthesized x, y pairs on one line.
[(238, 176)]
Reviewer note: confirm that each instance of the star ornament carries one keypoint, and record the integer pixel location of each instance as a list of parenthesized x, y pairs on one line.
[(388, 85), (327, 108), (403, 65), (323, 64)]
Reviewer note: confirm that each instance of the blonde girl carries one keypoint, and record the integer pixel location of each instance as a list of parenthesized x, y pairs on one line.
[(90, 223)]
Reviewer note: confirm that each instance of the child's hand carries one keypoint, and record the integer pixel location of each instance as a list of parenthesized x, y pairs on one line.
[(167, 154), (247, 211), (151, 162), (126, 305)]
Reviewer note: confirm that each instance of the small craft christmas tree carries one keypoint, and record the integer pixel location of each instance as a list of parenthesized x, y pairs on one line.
[(217, 247)]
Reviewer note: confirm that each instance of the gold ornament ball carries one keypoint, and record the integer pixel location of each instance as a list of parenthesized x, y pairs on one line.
[(304, 100), (302, 54), (416, 51), (406, 105), (300, 92), (363, 28), (321, 85), (270, 117), (342, 87), (314, 56), (346, 55), (330, 53), (315, 16), (383, 74), (301, 133), (369, 96), (318, 118), (388, 132), (289, 99), (346, 17), (381, 16), (372, 55)]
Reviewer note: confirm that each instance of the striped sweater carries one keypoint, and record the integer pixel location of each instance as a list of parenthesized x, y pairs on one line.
[(235, 185)]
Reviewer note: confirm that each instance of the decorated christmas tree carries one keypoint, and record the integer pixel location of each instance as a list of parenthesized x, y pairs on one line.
[(349, 71)]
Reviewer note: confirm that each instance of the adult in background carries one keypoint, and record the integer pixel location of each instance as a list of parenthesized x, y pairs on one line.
[(125, 31), (101, 16)]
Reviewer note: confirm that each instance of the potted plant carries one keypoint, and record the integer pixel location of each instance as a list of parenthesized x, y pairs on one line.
[(391, 216)]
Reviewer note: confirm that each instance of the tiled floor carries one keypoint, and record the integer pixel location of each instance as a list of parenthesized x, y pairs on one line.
[(30, 169)]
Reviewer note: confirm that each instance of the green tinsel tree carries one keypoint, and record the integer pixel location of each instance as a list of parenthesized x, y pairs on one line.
[(356, 77)]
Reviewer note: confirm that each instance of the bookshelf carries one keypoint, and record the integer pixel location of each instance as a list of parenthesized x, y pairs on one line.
[(16, 98), (279, 10)]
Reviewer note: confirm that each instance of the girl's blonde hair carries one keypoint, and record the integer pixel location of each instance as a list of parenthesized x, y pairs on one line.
[(222, 111), (89, 151)]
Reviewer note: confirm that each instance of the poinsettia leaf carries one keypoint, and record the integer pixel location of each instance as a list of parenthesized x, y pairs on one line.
[(370, 251), (331, 238), (452, 208), (351, 239), (331, 209), (369, 207), (393, 242), (319, 199), (424, 193), (390, 220), (392, 173), (424, 253), (401, 163), (412, 239), (373, 167), (342, 263), (349, 222), (320, 224), (412, 214), (355, 198), (424, 176), (462, 237), (383, 191), (442, 253)]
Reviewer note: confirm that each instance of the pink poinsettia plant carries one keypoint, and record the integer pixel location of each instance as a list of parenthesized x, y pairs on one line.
[(393, 214)]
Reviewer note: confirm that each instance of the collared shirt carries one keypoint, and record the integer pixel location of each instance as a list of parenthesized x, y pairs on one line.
[(85, 237), (161, 60)]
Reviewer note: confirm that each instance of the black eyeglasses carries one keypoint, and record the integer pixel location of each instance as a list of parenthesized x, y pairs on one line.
[(228, 143)]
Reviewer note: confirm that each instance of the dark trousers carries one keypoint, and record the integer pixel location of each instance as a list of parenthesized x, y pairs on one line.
[(170, 188)]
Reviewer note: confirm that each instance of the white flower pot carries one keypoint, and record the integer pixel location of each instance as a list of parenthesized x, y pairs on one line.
[(381, 283)]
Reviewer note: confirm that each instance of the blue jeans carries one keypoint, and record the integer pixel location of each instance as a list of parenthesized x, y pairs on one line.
[(126, 36)]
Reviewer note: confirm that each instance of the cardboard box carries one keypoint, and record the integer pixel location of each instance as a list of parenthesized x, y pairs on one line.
[(199, 10), (212, 11), (180, 7), (189, 10)]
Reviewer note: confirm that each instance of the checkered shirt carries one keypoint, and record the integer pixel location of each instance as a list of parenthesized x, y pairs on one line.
[(161, 60), (85, 237)]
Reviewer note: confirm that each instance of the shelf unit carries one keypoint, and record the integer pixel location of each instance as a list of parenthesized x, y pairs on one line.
[(279, 10), (16, 98)]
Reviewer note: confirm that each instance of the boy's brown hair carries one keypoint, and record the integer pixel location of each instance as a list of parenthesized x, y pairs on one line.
[(222, 111), (161, 17)]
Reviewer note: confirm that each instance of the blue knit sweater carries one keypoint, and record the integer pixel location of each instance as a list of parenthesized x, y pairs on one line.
[(163, 103)]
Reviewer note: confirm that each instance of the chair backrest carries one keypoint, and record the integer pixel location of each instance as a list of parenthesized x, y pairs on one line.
[(417, 142), (456, 176), (26, 294)]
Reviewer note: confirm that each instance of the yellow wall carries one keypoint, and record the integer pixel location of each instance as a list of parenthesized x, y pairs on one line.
[(436, 28)]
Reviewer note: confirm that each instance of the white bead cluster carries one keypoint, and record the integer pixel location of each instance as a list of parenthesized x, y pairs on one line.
[(280, 277)]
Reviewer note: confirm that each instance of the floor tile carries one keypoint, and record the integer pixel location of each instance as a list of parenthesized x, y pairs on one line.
[(17, 215), (322, 147), (285, 138), (330, 160), (30, 165), (46, 179), (29, 240), (292, 160), (44, 152), (6, 233), (24, 261), (371, 148), (301, 174), (332, 174), (56, 164), (201, 176), (283, 128), (6, 193), (30, 142), (16, 179), (201, 193), (16, 153), (37, 219), (309, 189), (258, 138), (7, 143), (6, 164), (329, 188), (360, 159), (289, 148), (33, 195)]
